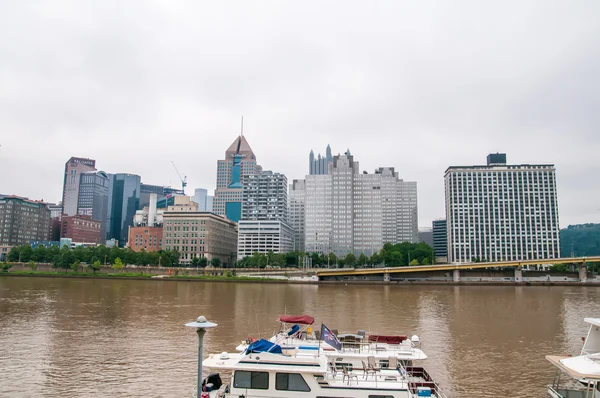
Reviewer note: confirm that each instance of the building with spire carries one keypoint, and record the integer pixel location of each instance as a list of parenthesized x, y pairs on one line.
[(232, 172), (319, 165)]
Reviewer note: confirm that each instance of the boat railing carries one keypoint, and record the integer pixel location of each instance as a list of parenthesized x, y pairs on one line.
[(372, 347), (418, 377)]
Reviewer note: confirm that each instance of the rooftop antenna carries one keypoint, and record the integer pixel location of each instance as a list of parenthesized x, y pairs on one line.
[(242, 133)]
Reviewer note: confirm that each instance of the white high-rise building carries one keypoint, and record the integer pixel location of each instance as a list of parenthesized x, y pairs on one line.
[(501, 212), (347, 211), (263, 227)]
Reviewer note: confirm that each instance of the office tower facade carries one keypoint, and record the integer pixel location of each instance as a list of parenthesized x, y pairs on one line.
[(23, 220), (264, 227), (265, 197), (319, 165), (203, 199), (296, 212), (73, 169), (239, 163), (347, 211), (440, 238), (124, 200), (94, 189), (501, 212), (426, 236), (164, 195), (81, 229), (198, 234), (55, 216)]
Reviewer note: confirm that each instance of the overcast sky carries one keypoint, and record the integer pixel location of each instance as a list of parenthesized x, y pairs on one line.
[(417, 85)]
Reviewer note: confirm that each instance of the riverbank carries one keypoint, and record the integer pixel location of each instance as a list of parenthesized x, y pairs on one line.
[(248, 279)]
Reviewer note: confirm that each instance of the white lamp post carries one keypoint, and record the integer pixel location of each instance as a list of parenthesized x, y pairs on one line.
[(201, 325)]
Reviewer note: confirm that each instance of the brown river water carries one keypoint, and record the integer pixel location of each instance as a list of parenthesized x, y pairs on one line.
[(126, 338)]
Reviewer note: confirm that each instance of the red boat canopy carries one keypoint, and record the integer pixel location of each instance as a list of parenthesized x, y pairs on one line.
[(387, 339), (301, 319)]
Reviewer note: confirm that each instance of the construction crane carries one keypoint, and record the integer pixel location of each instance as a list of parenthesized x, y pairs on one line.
[(183, 180)]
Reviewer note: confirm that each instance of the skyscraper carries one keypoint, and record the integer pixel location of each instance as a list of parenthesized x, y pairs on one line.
[(263, 227), (440, 238), (73, 169), (319, 165), (124, 200), (94, 189), (500, 212), (296, 210), (347, 211), (203, 200), (232, 172)]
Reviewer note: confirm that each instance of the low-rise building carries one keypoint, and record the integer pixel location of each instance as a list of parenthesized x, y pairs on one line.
[(81, 229), (23, 220), (147, 238), (264, 236), (199, 234)]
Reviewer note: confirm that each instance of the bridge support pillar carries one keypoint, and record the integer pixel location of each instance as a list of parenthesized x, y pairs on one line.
[(518, 274), (582, 273), (386, 277), (456, 275)]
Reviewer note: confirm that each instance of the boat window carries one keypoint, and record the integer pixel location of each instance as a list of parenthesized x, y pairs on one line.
[(256, 380), (290, 382)]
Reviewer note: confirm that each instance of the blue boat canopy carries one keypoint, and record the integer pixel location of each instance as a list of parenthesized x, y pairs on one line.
[(293, 330), (263, 345)]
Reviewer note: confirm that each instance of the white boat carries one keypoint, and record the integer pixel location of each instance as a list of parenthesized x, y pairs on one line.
[(583, 370), (304, 374), (355, 347)]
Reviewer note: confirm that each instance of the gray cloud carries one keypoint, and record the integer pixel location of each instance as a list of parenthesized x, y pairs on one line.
[(418, 86)]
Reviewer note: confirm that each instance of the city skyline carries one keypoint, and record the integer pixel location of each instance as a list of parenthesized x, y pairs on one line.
[(458, 84)]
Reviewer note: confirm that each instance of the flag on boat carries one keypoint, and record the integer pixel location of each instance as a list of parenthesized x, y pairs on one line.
[(330, 338)]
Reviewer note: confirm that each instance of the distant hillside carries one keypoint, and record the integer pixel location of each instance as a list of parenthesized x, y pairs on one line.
[(583, 239)]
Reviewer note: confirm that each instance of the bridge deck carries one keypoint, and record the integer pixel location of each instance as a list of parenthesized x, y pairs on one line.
[(450, 267)]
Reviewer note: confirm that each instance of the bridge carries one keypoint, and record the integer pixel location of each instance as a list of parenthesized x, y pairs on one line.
[(457, 267)]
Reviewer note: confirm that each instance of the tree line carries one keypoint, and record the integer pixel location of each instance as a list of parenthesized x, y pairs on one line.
[(401, 254)]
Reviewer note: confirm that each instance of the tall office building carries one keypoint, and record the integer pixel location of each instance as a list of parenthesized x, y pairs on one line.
[(426, 236), (94, 189), (500, 212), (263, 227), (203, 199), (73, 169), (23, 220), (239, 163), (319, 165), (124, 200), (440, 238), (296, 210), (349, 211)]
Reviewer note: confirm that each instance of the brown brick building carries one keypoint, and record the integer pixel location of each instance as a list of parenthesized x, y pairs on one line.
[(81, 229), (147, 238)]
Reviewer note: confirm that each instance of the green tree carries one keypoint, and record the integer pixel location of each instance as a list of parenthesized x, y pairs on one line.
[(195, 262), (13, 254), (332, 260), (75, 266), (39, 254), (6, 266), (215, 262), (32, 265), (414, 262), (95, 266), (363, 259), (203, 262), (350, 259), (118, 264)]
